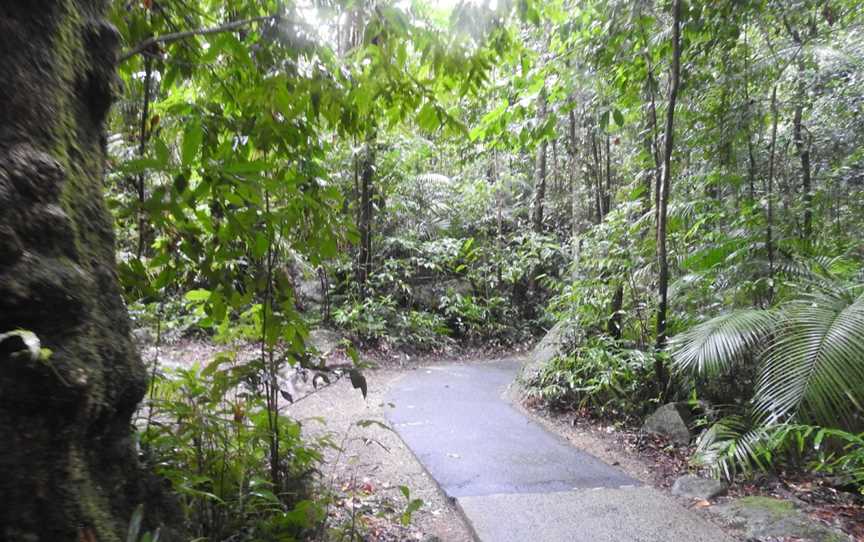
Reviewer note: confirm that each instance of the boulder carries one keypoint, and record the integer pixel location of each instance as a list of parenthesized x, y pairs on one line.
[(770, 518), (695, 487), (143, 336), (303, 277), (670, 421), (553, 344), (309, 290), (323, 340)]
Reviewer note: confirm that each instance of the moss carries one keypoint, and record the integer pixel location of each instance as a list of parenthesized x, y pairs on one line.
[(92, 503), (776, 506), (76, 437)]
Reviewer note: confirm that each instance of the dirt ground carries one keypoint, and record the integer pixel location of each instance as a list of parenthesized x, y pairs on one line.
[(654, 461), (374, 462)]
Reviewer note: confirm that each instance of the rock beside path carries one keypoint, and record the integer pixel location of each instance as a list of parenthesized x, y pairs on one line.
[(324, 341), (769, 518), (552, 345), (695, 487), (670, 420)]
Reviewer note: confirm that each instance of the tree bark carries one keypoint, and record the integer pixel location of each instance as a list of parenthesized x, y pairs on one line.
[(803, 148), (68, 464), (540, 171), (769, 194), (367, 179), (665, 186)]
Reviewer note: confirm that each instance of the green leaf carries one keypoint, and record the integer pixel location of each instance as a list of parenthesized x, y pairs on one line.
[(427, 119), (358, 381), (618, 116), (139, 165), (193, 135), (197, 295), (713, 347)]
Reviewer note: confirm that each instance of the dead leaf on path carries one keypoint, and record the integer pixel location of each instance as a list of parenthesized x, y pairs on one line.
[(701, 503)]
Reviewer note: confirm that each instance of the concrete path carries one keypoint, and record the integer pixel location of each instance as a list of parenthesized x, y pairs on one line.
[(513, 480)]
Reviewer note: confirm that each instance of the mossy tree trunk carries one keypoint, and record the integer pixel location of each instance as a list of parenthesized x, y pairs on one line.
[(68, 465)]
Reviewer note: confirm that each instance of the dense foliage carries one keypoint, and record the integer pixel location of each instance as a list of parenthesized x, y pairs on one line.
[(421, 178)]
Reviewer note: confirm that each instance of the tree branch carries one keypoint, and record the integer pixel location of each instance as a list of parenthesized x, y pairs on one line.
[(177, 36)]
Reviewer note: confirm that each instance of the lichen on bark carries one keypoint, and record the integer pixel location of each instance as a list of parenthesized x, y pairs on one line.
[(68, 466)]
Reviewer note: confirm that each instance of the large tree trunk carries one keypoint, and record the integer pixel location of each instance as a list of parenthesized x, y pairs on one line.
[(665, 187), (68, 465)]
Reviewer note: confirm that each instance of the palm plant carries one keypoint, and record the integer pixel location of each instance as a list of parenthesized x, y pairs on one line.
[(810, 355)]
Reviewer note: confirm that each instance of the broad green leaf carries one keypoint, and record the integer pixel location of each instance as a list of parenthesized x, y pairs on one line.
[(192, 138)]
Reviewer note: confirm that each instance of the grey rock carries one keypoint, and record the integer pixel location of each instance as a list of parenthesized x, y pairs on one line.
[(695, 487), (670, 420), (310, 291), (766, 517), (553, 344), (143, 336), (308, 288), (324, 341)]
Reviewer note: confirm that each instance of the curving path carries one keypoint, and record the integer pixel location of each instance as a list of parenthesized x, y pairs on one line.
[(513, 480)]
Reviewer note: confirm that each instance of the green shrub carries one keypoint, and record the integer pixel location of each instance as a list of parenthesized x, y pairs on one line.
[(207, 432), (599, 377)]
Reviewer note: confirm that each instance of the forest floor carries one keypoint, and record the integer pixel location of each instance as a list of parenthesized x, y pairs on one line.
[(653, 460), (365, 476)]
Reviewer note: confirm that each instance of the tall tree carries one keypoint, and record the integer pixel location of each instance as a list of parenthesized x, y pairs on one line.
[(68, 466), (365, 214), (665, 186), (540, 169)]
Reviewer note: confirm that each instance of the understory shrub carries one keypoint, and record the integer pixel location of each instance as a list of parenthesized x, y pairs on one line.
[(380, 319), (601, 378), (207, 432)]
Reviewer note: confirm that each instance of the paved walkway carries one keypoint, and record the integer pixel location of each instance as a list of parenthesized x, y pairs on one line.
[(513, 480)]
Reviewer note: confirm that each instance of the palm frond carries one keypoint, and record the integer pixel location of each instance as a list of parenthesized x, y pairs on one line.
[(715, 346), (732, 445), (814, 367)]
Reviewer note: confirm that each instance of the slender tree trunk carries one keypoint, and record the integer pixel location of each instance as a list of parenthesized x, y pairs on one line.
[(598, 180), (769, 193), (142, 147), (652, 144), (540, 171), (615, 316), (607, 192), (751, 168), (68, 464), (364, 225), (574, 192), (666, 181), (803, 148)]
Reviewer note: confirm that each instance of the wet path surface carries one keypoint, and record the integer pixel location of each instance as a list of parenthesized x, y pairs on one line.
[(513, 479), (475, 443)]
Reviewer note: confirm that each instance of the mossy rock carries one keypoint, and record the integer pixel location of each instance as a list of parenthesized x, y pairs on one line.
[(767, 517)]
